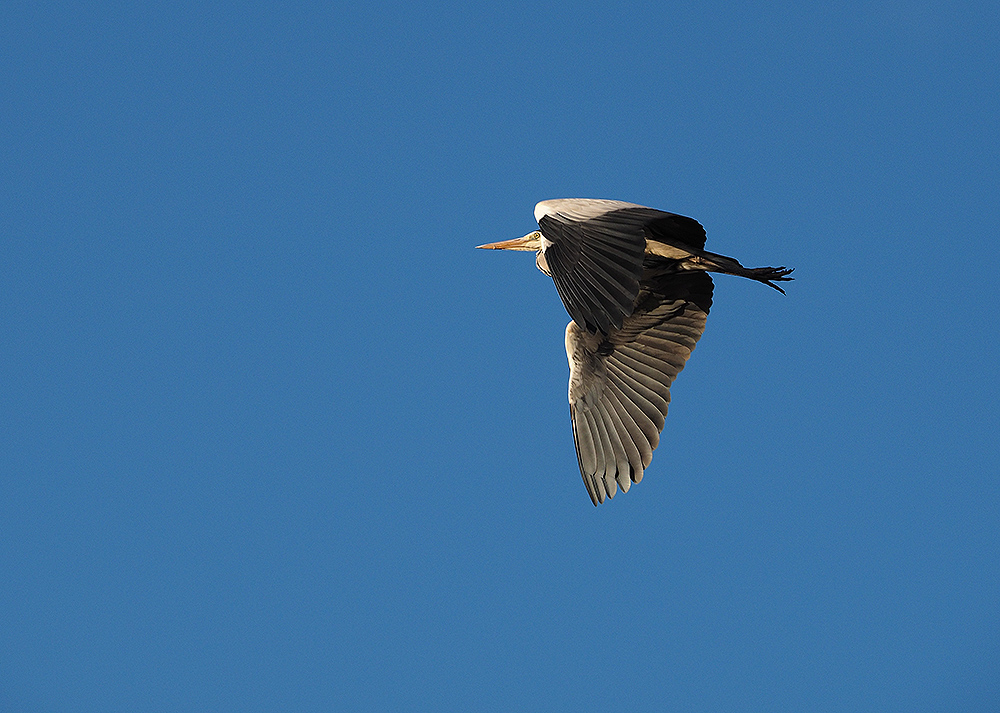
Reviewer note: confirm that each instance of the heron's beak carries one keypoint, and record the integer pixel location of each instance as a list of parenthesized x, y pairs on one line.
[(528, 242)]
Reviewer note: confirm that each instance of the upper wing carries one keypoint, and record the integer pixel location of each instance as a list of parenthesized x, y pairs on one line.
[(594, 252), (619, 385)]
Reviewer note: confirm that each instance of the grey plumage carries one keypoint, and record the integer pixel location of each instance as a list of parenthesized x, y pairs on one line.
[(635, 281)]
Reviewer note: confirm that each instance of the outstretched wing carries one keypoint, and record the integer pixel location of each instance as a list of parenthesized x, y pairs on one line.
[(619, 385), (594, 252)]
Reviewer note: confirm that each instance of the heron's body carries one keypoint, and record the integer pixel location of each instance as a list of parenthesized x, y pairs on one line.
[(635, 281)]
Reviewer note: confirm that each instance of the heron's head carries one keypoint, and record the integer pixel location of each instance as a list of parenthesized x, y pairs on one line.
[(531, 241)]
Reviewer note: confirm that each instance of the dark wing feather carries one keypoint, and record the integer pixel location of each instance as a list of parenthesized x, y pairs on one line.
[(596, 265), (620, 384)]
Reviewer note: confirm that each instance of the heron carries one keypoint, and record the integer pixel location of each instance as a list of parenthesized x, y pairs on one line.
[(635, 283)]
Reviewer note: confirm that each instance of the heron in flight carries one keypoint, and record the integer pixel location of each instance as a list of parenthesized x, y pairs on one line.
[(635, 281)]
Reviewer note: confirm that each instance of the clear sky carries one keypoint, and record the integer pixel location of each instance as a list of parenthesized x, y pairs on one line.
[(275, 437)]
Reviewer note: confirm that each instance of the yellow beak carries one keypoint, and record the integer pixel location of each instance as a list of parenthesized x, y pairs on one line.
[(528, 242)]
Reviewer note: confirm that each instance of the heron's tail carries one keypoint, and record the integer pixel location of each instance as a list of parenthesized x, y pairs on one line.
[(710, 262)]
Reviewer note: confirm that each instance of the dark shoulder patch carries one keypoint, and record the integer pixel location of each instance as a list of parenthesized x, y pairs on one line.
[(672, 229)]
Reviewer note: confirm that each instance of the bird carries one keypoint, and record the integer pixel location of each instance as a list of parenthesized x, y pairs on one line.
[(635, 281)]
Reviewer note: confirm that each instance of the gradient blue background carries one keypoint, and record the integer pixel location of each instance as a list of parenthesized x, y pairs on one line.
[(275, 437)]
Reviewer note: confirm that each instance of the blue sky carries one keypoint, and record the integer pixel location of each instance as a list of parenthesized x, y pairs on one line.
[(275, 437)]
